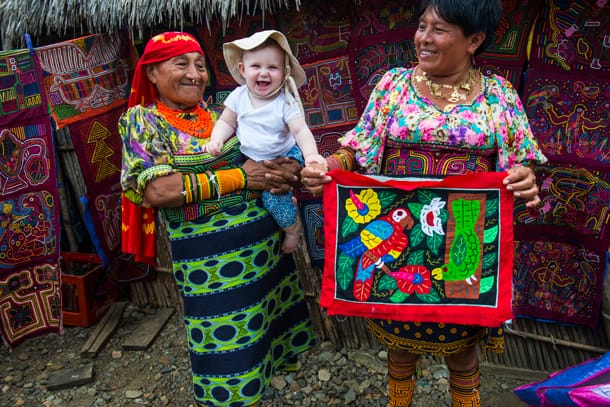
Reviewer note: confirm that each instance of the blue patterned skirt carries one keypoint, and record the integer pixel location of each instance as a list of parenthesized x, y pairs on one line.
[(244, 310)]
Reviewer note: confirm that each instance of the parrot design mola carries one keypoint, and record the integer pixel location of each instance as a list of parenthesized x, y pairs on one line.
[(465, 250), (380, 242)]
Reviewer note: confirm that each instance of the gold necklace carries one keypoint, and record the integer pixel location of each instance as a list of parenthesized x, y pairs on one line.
[(436, 89)]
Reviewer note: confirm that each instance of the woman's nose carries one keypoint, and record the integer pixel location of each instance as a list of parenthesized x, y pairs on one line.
[(424, 35), (191, 71)]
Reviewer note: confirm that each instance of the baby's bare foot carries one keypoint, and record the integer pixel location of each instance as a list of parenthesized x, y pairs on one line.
[(292, 239)]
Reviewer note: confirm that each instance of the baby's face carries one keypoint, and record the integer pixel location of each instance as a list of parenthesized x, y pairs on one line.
[(263, 70)]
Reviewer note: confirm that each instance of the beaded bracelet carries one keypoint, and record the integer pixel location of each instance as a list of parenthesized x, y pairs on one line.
[(187, 189)]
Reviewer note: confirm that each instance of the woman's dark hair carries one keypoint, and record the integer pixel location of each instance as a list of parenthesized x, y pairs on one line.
[(471, 15)]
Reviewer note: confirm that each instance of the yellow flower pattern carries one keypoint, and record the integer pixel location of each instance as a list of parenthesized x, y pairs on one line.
[(363, 207)]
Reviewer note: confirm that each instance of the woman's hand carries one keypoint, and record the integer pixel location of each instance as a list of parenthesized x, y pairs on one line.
[(521, 181), (313, 178), (278, 176)]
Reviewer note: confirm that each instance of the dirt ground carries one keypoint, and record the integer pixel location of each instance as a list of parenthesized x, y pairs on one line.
[(160, 375)]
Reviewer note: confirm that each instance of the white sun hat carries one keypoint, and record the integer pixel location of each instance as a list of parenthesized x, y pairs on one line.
[(234, 50)]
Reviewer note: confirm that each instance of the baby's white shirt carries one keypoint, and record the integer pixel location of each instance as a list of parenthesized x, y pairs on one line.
[(263, 132)]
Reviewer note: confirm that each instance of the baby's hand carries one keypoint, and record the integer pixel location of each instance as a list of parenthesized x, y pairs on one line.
[(316, 161), (213, 147)]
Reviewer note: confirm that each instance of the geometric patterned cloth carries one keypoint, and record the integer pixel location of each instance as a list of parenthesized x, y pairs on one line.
[(320, 30), (29, 216), (506, 54), (371, 57), (558, 278), (97, 145), (327, 95), (561, 250), (85, 76)]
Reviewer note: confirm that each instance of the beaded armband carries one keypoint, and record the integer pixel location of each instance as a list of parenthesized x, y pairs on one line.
[(343, 159)]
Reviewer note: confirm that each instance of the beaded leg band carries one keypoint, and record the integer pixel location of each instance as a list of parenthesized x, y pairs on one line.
[(465, 387), (401, 382)]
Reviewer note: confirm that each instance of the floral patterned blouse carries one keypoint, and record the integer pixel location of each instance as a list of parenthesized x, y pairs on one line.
[(495, 124), (151, 148)]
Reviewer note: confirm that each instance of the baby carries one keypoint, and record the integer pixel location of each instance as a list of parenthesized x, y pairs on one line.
[(265, 112)]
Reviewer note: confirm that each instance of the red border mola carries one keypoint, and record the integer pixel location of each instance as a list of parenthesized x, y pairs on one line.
[(429, 250)]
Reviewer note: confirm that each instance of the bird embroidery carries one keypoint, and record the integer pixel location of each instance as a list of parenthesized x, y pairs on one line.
[(465, 250), (380, 242)]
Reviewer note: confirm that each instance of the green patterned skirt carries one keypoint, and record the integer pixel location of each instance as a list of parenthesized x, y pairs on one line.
[(244, 309)]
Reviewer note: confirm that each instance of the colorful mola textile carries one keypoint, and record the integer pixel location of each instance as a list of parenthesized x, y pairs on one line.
[(327, 95), (572, 36), (313, 223), (429, 250), (98, 147), (560, 251), (320, 30), (29, 217), (572, 198), (21, 96), (86, 76), (558, 279), (30, 303), (569, 115), (506, 54), (371, 57), (510, 40), (373, 18)]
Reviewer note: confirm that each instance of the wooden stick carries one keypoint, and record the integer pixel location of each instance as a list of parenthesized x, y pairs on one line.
[(554, 341)]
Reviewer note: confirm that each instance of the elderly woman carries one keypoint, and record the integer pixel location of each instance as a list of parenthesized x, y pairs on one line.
[(244, 311), (442, 117)]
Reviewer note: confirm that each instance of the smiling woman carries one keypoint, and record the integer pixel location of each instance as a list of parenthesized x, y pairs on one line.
[(443, 117), (180, 81), (244, 311)]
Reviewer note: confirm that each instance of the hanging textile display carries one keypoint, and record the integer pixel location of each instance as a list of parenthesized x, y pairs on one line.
[(506, 55), (571, 36), (569, 116), (97, 145), (320, 30), (29, 219), (85, 76), (373, 56), (419, 250), (562, 246), (327, 94), (382, 39), (560, 250), (87, 81)]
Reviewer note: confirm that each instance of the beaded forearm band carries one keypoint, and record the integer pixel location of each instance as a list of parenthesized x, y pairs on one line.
[(230, 180), (212, 184), (343, 159)]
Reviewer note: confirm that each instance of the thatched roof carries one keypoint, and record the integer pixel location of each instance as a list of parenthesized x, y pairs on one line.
[(60, 18)]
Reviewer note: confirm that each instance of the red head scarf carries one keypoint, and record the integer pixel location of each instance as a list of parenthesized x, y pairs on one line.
[(159, 48), (138, 223)]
